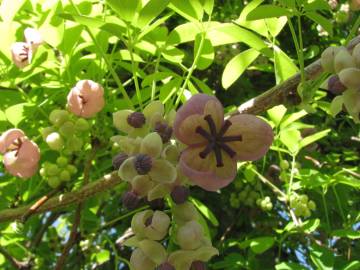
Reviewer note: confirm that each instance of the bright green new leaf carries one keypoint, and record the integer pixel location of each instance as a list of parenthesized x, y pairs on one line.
[(322, 257), (126, 9), (205, 211), (284, 66), (150, 11), (206, 55), (289, 266), (9, 8), (354, 265), (208, 6), (102, 256), (52, 30), (268, 11), (191, 10), (237, 66), (291, 138), (313, 138), (277, 113), (17, 113)]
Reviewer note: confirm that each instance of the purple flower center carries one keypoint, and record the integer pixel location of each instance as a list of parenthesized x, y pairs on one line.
[(217, 141)]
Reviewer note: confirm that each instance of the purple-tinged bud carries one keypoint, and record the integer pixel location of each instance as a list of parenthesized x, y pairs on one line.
[(130, 200), (179, 194), (335, 86), (164, 130), (157, 204), (165, 266), (198, 265), (143, 164), (118, 160), (136, 119)]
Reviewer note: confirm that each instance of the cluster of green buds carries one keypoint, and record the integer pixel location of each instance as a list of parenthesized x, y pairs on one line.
[(59, 172), (247, 189), (264, 203), (66, 133), (301, 205), (147, 157), (192, 250), (345, 65)]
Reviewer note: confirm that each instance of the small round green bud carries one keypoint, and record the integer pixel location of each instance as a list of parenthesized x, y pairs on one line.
[(58, 117), (67, 129), (312, 205), (65, 175), (62, 161), (71, 168), (52, 170), (54, 181), (46, 131), (242, 195), (284, 164), (42, 172), (81, 125), (74, 144), (304, 199), (55, 141)]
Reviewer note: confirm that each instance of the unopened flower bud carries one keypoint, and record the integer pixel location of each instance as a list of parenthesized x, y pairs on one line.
[(55, 141), (198, 265), (165, 266), (350, 77), (189, 235), (164, 130), (58, 117), (343, 59), (335, 86), (136, 119), (118, 160), (20, 54), (81, 125), (327, 58), (143, 164), (356, 53), (184, 212), (139, 261), (130, 200), (179, 194)]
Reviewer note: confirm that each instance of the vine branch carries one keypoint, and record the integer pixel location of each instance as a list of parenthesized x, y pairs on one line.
[(285, 93)]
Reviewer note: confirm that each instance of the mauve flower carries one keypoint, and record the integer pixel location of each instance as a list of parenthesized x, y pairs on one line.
[(86, 99), (21, 155), (214, 144), (20, 52)]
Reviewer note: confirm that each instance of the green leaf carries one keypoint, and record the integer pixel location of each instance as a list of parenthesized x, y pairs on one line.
[(258, 245), (313, 138), (289, 266), (354, 265), (191, 10), (310, 225), (208, 6), (347, 233), (316, 5), (291, 138), (150, 11), (284, 66), (157, 77), (205, 211), (173, 54), (17, 113), (206, 56), (277, 113), (236, 66), (9, 8), (52, 30), (322, 257), (292, 118), (319, 19), (102, 256), (268, 11), (126, 9)]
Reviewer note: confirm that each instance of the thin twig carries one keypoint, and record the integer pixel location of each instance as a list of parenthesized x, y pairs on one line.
[(40, 202), (74, 231)]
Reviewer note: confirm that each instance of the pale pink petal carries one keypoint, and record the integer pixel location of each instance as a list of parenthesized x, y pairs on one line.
[(203, 172), (9, 137), (257, 136), (20, 54), (192, 114), (33, 37)]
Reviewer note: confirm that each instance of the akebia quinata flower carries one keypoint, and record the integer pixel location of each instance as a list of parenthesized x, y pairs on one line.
[(21, 155), (86, 99), (214, 144), (22, 52)]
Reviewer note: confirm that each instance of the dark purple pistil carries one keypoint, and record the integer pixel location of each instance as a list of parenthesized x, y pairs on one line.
[(217, 141)]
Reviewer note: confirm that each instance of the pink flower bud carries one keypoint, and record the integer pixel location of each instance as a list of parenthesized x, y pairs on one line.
[(20, 53), (86, 99), (21, 155)]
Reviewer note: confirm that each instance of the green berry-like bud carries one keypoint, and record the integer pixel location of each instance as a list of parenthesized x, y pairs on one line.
[(242, 195), (343, 59), (62, 161), (67, 129), (82, 125), (74, 144), (54, 181), (312, 205), (284, 164), (46, 131), (184, 212), (65, 175), (42, 172), (55, 141), (58, 117), (304, 199), (52, 170), (306, 213), (71, 168)]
